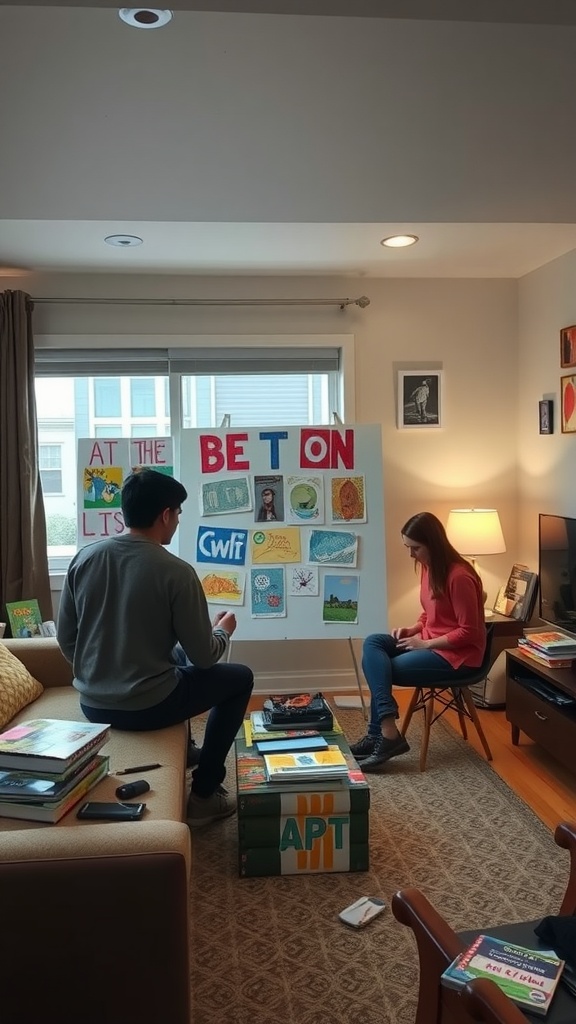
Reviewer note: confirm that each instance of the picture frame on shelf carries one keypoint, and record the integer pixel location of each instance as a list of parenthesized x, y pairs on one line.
[(568, 403), (546, 416), (568, 346), (419, 399)]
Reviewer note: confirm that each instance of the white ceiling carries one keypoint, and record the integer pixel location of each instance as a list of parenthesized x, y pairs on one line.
[(245, 143)]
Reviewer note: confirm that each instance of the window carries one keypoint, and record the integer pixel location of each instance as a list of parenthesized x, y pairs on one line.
[(143, 396), (107, 401), (126, 393), (50, 465)]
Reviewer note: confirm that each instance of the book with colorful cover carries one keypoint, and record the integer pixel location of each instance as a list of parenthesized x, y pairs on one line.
[(32, 787), (527, 976), (52, 811), (311, 764), (49, 744), (517, 596), (25, 618), (552, 642), (256, 795)]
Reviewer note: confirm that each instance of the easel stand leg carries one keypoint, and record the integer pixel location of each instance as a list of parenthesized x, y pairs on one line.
[(342, 702)]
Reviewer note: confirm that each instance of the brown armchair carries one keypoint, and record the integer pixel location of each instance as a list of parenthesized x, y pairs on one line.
[(438, 945)]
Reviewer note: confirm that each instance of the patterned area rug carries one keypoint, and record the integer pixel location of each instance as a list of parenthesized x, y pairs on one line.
[(273, 951)]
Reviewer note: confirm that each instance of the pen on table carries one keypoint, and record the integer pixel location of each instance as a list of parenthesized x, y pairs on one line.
[(138, 768)]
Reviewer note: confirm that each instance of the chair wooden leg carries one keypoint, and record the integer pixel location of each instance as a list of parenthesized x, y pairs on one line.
[(461, 715), (410, 711), (428, 717), (467, 697)]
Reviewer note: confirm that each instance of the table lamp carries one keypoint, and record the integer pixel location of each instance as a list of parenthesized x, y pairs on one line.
[(475, 531)]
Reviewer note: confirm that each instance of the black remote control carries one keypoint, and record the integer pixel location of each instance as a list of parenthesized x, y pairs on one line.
[(130, 789)]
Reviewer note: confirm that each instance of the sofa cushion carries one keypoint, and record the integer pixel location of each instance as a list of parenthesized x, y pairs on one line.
[(17, 687)]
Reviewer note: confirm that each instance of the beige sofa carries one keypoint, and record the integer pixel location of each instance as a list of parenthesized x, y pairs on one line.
[(95, 914)]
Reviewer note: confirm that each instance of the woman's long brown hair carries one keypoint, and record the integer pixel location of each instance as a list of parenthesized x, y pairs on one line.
[(425, 528)]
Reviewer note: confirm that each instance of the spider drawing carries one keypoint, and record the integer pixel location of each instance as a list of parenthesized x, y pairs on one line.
[(303, 579)]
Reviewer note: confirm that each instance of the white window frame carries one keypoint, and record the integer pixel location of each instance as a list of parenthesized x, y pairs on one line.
[(197, 354)]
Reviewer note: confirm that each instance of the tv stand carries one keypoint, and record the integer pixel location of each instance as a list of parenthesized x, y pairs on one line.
[(541, 702)]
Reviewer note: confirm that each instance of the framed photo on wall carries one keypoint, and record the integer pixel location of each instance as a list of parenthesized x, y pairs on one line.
[(546, 416), (568, 403), (568, 346), (419, 399)]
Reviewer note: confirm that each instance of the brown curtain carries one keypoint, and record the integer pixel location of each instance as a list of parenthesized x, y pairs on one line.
[(23, 550)]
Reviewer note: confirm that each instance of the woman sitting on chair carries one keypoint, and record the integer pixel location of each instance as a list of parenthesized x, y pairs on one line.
[(447, 641)]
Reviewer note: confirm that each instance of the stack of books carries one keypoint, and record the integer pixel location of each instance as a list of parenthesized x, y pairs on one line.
[(550, 648), (306, 766), (48, 765)]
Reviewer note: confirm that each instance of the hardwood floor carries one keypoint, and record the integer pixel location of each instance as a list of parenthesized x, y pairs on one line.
[(539, 780)]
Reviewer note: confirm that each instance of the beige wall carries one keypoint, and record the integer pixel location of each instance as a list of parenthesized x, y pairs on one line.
[(466, 327), (546, 464)]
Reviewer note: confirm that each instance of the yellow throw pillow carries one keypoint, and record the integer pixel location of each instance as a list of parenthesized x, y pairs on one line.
[(17, 687)]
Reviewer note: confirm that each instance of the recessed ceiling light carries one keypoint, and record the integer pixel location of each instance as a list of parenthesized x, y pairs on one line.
[(399, 241), (145, 17), (123, 241)]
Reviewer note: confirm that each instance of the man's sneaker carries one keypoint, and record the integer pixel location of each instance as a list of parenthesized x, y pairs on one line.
[(384, 750), (203, 810), (193, 755), (364, 747)]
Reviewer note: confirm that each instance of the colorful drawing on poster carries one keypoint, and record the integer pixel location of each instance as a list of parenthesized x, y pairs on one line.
[(167, 470), (267, 593), (228, 494), (340, 598), (278, 545), (268, 499), (305, 499), (223, 586), (333, 547), (303, 581), (348, 499), (221, 546), (101, 486)]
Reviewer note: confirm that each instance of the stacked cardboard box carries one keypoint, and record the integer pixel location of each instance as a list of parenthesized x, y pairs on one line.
[(293, 828)]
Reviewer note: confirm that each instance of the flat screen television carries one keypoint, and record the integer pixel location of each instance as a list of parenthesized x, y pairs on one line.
[(557, 571)]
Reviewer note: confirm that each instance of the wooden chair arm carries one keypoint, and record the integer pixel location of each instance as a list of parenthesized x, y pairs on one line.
[(437, 944), (565, 836), (485, 1002)]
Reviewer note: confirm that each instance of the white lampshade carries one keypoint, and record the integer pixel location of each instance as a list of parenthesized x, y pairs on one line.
[(475, 531)]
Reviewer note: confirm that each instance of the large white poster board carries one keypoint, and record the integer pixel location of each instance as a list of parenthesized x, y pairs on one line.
[(285, 526)]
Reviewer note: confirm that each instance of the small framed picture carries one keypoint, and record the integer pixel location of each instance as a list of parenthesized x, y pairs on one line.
[(419, 399), (546, 414), (568, 406), (568, 346)]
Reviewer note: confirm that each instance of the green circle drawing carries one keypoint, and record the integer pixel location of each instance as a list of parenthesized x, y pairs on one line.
[(303, 496), (259, 537)]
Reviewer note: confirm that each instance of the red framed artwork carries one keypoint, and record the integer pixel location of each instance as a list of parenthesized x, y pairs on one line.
[(568, 346), (568, 403)]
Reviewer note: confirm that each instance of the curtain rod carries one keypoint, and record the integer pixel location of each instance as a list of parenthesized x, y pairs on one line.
[(362, 302)]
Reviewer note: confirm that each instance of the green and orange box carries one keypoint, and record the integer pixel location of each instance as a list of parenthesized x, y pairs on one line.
[(290, 828)]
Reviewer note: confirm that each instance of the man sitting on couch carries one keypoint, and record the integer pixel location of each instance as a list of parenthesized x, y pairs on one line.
[(134, 623)]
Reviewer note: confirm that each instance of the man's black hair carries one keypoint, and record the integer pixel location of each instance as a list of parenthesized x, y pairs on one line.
[(145, 495)]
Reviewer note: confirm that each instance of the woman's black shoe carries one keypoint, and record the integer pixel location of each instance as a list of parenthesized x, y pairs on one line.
[(383, 751), (364, 747)]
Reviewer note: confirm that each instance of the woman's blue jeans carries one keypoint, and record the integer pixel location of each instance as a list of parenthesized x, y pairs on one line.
[(386, 665)]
